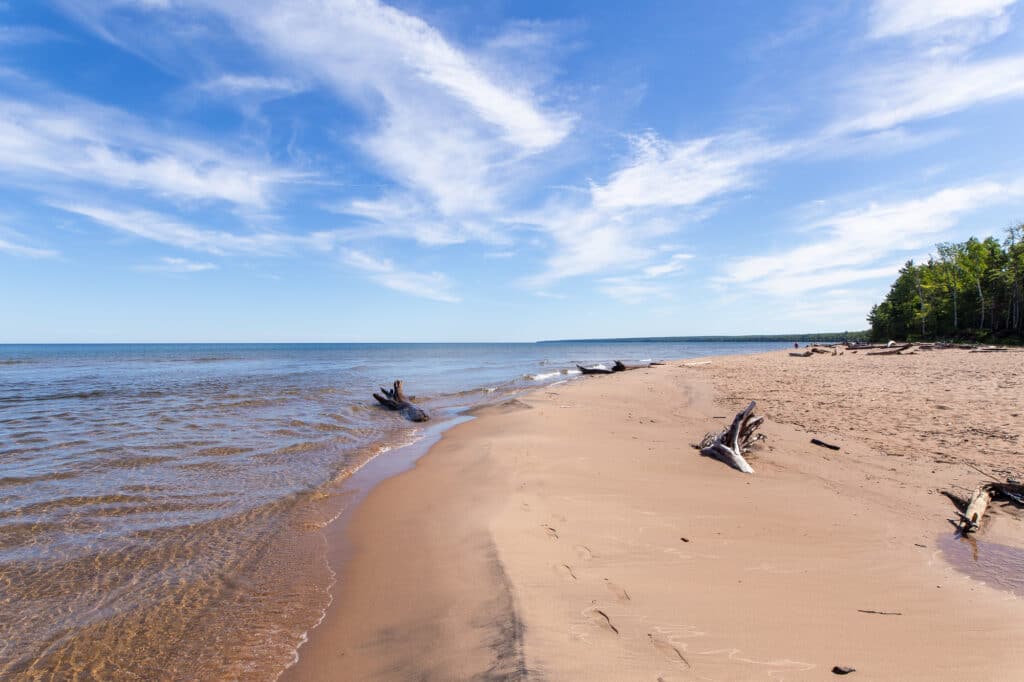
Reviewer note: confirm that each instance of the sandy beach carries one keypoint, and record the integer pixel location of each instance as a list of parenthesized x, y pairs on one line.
[(575, 533)]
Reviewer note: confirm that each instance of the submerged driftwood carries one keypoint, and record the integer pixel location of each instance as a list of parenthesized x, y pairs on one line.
[(394, 399), (730, 444)]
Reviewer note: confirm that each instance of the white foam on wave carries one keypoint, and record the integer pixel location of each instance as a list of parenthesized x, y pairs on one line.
[(548, 375)]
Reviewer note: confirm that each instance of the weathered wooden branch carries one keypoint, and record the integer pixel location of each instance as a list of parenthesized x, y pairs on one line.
[(895, 350), (805, 354), (970, 520), (730, 444), (970, 517), (394, 399)]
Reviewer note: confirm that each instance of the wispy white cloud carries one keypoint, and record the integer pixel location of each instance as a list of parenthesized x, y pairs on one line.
[(404, 216), (587, 241), (15, 249), (661, 187), (676, 263), (897, 94), (232, 85), (70, 139), (653, 281), (965, 22), (444, 126), (167, 230), (866, 243), (931, 74), (666, 174), (431, 285), (178, 265)]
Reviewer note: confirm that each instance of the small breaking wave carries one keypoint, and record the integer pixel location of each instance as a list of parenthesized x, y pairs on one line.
[(543, 376)]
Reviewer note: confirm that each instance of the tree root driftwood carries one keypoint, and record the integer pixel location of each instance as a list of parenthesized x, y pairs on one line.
[(394, 399), (971, 511), (730, 444)]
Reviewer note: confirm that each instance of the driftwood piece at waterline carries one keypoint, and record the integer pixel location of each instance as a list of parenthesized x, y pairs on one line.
[(805, 354), (394, 399), (730, 444), (617, 366), (983, 495), (971, 518), (620, 366)]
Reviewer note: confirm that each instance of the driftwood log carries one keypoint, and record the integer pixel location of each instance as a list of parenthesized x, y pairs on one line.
[(893, 350), (970, 520), (983, 495), (620, 366), (617, 366), (394, 399), (730, 444), (594, 370)]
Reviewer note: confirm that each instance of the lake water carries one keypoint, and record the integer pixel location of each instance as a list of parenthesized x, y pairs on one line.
[(162, 506)]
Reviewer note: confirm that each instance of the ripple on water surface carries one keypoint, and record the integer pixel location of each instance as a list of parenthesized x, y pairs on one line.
[(128, 544)]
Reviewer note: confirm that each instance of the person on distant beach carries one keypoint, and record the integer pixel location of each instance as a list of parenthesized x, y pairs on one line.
[(796, 344)]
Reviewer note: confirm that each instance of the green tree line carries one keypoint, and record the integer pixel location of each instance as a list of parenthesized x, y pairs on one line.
[(967, 290)]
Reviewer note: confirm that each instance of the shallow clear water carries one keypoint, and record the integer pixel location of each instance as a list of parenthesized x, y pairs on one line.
[(161, 505), (996, 565)]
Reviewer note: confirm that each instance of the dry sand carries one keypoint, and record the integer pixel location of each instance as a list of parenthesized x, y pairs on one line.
[(575, 533)]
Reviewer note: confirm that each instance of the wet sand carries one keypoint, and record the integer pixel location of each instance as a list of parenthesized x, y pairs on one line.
[(576, 534)]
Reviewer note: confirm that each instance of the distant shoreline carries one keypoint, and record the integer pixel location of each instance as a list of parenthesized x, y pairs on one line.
[(816, 336)]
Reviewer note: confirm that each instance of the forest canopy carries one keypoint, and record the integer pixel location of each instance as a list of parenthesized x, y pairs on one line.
[(969, 290)]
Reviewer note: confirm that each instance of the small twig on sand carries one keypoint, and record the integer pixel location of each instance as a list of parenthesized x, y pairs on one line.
[(824, 444), (881, 613)]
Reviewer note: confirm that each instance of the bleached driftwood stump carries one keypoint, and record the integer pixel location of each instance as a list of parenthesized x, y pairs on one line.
[(730, 444)]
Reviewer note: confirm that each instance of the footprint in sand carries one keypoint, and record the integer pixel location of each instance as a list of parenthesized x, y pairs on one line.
[(666, 649), (619, 592), (600, 619), (567, 572), (584, 552), (552, 532)]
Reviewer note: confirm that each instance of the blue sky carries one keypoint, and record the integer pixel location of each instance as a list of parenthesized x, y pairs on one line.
[(335, 170)]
